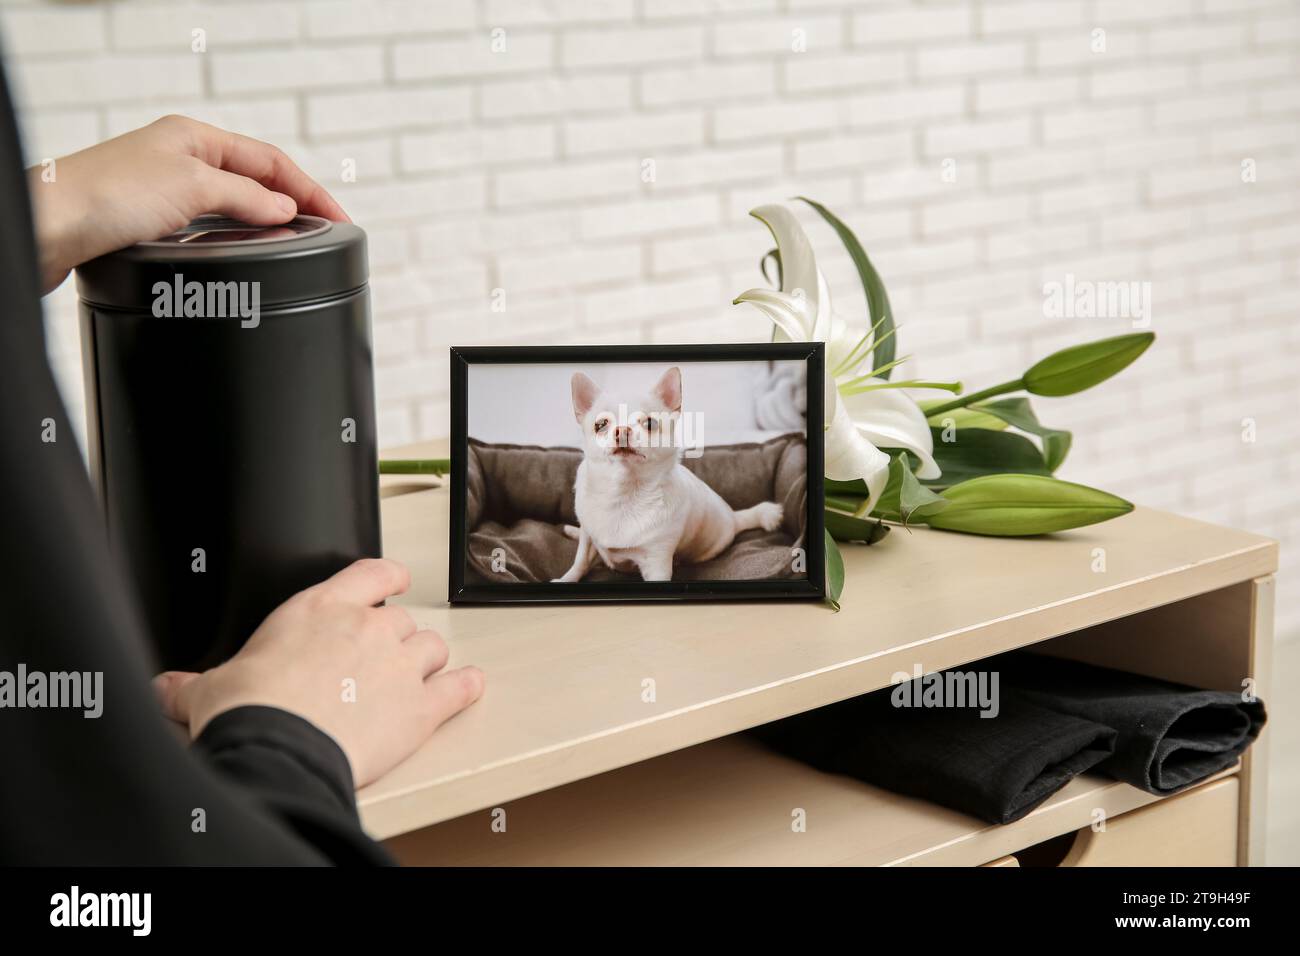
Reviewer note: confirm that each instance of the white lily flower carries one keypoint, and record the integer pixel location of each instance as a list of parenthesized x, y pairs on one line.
[(857, 420)]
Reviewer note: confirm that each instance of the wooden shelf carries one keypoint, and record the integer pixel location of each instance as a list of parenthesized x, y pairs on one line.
[(730, 803), (565, 693)]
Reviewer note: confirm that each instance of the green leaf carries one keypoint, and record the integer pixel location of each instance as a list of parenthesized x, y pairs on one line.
[(962, 417), (844, 527), (1018, 413), (877, 298), (1015, 505), (847, 503), (1083, 366), (834, 571), (856, 487), (975, 452), (905, 498)]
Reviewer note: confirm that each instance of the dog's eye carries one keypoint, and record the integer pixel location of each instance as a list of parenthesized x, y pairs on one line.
[(602, 425)]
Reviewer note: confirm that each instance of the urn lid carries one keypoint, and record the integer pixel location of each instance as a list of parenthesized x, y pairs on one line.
[(304, 259)]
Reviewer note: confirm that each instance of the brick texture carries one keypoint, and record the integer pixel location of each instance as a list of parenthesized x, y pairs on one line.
[(596, 160)]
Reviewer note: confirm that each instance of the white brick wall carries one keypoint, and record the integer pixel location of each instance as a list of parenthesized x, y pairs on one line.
[(522, 170)]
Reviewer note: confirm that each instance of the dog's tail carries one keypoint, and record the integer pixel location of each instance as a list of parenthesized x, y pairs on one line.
[(571, 531)]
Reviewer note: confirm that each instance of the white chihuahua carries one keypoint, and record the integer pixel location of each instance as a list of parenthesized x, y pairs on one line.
[(639, 508)]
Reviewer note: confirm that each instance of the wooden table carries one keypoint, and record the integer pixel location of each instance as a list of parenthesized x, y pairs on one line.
[(575, 692)]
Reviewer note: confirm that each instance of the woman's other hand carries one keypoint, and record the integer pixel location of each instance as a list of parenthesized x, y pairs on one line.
[(363, 674)]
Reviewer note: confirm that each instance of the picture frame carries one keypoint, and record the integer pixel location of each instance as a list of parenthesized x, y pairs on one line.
[(468, 584)]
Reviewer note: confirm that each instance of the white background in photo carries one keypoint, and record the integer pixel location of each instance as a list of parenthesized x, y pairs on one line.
[(533, 404)]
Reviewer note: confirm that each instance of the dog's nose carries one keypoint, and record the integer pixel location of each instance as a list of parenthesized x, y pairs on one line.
[(623, 435)]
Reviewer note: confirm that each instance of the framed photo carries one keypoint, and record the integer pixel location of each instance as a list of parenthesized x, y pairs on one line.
[(632, 473)]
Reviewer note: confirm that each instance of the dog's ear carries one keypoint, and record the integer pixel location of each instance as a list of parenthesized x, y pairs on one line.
[(669, 389), (584, 395)]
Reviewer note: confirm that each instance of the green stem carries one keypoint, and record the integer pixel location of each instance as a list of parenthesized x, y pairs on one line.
[(853, 357), (974, 397), (415, 466), (847, 361), (849, 504), (874, 373), (954, 387)]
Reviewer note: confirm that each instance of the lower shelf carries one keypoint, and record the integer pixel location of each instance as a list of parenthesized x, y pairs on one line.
[(732, 802)]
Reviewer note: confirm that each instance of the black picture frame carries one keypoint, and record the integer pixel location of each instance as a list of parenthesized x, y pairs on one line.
[(812, 587)]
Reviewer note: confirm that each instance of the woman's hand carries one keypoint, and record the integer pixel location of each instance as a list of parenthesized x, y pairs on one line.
[(362, 674), (150, 182)]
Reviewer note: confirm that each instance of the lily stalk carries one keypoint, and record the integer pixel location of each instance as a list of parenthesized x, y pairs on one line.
[(414, 466)]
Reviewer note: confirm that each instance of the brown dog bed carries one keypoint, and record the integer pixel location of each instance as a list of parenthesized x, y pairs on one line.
[(519, 498)]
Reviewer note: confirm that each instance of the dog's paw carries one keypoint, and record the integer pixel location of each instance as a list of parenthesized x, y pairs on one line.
[(572, 531), (769, 515)]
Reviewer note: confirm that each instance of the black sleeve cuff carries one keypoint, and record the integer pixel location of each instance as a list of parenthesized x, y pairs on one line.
[(283, 745)]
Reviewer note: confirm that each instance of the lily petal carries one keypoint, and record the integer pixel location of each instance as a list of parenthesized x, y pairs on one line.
[(823, 316), (850, 456), (798, 263), (890, 417), (786, 311)]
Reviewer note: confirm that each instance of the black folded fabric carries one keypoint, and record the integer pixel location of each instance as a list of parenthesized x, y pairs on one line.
[(998, 768), (1169, 736)]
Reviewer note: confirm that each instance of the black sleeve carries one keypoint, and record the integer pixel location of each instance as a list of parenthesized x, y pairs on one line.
[(294, 770), (108, 782)]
